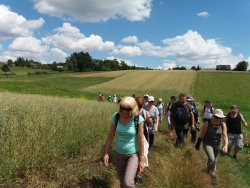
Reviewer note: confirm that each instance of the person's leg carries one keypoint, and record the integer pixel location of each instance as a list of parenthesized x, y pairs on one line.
[(211, 164), (169, 126), (238, 139), (120, 165), (179, 134), (193, 133), (151, 140), (160, 118), (131, 169), (230, 141)]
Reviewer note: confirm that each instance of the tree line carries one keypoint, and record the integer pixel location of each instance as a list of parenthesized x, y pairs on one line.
[(83, 62)]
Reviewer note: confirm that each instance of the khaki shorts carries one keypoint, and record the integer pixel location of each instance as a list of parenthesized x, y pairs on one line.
[(236, 140)]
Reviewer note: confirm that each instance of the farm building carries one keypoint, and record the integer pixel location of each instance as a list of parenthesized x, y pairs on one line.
[(223, 67)]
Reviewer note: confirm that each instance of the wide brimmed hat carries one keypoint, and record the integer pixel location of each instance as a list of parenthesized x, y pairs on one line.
[(219, 113)]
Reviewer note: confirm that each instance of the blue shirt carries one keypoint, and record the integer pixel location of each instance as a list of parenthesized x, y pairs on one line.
[(126, 136)]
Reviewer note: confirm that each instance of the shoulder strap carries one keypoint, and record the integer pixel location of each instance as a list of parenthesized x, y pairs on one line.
[(117, 117), (204, 108), (211, 109)]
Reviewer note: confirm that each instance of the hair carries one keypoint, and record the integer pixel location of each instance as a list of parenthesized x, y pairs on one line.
[(140, 102), (129, 102), (182, 95)]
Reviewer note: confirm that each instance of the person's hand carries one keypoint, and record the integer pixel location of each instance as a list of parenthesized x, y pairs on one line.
[(193, 127), (224, 149), (245, 124), (141, 165), (198, 143), (106, 159), (156, 129)]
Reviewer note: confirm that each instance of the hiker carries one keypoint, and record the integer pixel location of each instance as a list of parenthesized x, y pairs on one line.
[(167, 113), (109, 98), (114, 98), (190, 100), (179, 118), (99, 95), (234, 132), (211, 137), (160, 107), (101, 98), (154, 114), (119, 100), (208, 110), (147, 123), (145, 99), (129, 143)]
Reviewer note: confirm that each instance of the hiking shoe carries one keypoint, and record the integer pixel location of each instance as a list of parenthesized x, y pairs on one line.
[(137, 180), (234, 156), (214, 181)]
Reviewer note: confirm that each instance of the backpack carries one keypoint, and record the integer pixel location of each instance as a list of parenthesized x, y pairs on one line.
[(182, 114), (136, 119), (146, 131)]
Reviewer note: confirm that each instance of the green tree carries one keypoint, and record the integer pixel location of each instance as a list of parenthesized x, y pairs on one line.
[(193, 68), (198, 68), (5, 68), (241, 66)]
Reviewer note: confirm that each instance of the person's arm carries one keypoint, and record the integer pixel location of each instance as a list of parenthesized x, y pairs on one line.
[(243, 120), (156, 120), (192, 120), (149, 119), (202, 134), (109, 140), (225, 138), (202, 113), (141, 146)]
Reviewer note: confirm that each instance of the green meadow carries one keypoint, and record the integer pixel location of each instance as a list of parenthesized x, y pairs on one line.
[(53, 130)]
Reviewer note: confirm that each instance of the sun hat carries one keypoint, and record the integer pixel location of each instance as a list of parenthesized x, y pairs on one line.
[(190, 98), (219, 113), (160, 99), (234, 108), (145, 95), (151, 98)]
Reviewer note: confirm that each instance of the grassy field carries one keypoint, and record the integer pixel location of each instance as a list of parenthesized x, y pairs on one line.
[(58, 142)]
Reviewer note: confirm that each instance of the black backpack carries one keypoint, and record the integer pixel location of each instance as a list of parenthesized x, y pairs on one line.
[(182, 114), (211, 109), (136, 119)]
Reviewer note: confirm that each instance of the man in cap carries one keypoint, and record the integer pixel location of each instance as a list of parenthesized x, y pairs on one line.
[(233, 122)]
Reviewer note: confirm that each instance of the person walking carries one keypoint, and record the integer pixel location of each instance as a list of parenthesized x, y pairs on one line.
[(114, 100), (234, 132), (207, 111), (160, 107), (179, 118), (129, 143), (210, 135), (154, 114), (190, 100), (167, 114)]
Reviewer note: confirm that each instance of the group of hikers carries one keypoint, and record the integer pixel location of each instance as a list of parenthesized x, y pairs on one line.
[(138, 119)]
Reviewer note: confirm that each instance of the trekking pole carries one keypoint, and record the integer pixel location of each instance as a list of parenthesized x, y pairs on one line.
[(248, 154)]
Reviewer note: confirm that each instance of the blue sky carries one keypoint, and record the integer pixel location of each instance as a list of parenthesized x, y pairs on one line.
[(150, 33)]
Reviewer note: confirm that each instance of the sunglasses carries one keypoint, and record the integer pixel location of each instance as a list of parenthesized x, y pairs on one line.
[(127, 109)]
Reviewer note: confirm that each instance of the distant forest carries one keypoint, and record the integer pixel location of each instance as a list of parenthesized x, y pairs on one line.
[(79, 62)]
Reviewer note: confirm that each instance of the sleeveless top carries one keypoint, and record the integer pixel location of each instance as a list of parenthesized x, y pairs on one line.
[(234, 124), (213, 135)]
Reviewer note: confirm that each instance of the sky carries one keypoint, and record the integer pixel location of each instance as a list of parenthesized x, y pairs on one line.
[(158, 34)]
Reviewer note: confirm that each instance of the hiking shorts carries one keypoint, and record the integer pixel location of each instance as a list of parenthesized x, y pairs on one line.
[(236, 140)]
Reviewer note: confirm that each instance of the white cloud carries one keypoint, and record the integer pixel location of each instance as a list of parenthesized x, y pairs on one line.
[(203, 14), (16, 25), (128, 51), (69, 38), (128, 62), (95, 10), (130, 39), (58, 55), (168, 64)]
